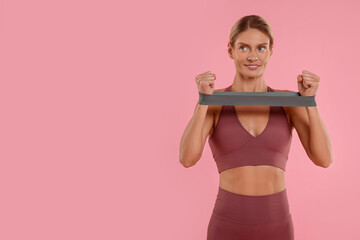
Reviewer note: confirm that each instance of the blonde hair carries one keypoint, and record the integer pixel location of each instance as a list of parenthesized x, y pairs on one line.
[(251, 21)]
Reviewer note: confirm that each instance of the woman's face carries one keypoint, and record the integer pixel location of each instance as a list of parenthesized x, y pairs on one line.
[(251, 48)]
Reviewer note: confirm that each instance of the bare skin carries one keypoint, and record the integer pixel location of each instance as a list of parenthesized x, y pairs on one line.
[(252, 180)]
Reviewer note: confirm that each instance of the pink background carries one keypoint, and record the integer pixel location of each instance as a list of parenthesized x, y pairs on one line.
[(95, 96)]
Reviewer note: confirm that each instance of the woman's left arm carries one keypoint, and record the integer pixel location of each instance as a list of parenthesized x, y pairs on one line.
[(320, 145), (309, 125)]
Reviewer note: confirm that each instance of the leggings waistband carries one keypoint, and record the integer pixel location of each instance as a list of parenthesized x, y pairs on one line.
[(251, 209)]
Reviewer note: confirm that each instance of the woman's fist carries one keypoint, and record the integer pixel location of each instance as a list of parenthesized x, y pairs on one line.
[(308, 83), (205, 82)]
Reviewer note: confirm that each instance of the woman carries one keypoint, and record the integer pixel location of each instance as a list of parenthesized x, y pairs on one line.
[(250, 144)]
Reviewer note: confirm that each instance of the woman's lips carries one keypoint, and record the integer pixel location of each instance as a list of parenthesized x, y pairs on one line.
[(252, 67)]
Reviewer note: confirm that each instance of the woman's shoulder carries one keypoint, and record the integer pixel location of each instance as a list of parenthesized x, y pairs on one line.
[(282, 90), (220, 90)]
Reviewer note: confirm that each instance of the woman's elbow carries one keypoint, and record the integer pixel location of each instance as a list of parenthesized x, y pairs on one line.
[(325, 162), (328, 163), (186, 162)]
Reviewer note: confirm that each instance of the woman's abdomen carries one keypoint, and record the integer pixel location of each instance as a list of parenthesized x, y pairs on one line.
[(253, 180)]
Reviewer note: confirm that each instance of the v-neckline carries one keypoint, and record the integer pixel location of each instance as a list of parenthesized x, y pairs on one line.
[(238, 120)]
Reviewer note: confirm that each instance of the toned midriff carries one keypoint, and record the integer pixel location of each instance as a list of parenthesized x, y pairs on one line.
[(253, 180)]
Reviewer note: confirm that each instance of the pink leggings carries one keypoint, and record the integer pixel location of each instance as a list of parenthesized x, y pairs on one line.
[(236, 217)]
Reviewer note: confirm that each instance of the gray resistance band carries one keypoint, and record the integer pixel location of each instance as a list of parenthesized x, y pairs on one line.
[(291, 99)]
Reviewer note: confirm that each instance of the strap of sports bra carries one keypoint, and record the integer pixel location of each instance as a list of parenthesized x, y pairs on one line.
[(291, 99)]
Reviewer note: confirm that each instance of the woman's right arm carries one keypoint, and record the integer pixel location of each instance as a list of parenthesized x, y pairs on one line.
[(195, 135), (196, 132)]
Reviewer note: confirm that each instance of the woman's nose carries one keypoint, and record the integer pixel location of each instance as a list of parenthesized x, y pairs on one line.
[(252, 58)]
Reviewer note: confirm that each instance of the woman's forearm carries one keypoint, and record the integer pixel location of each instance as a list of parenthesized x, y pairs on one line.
[(191, 141), (320, 145)]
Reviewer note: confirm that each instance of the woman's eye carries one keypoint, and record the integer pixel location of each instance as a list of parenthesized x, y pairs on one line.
[(241, 47)]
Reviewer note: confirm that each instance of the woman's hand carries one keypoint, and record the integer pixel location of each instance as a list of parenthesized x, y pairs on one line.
[(308, 83), (205, 82)]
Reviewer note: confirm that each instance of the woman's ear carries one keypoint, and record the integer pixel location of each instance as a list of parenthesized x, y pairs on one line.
[(230, 50)]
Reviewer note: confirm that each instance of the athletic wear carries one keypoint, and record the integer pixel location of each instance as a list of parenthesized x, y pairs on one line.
[(243, 217), (233, 146), (236, 216)]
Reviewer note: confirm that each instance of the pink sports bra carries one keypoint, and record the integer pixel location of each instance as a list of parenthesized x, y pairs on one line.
[(233, 146)]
